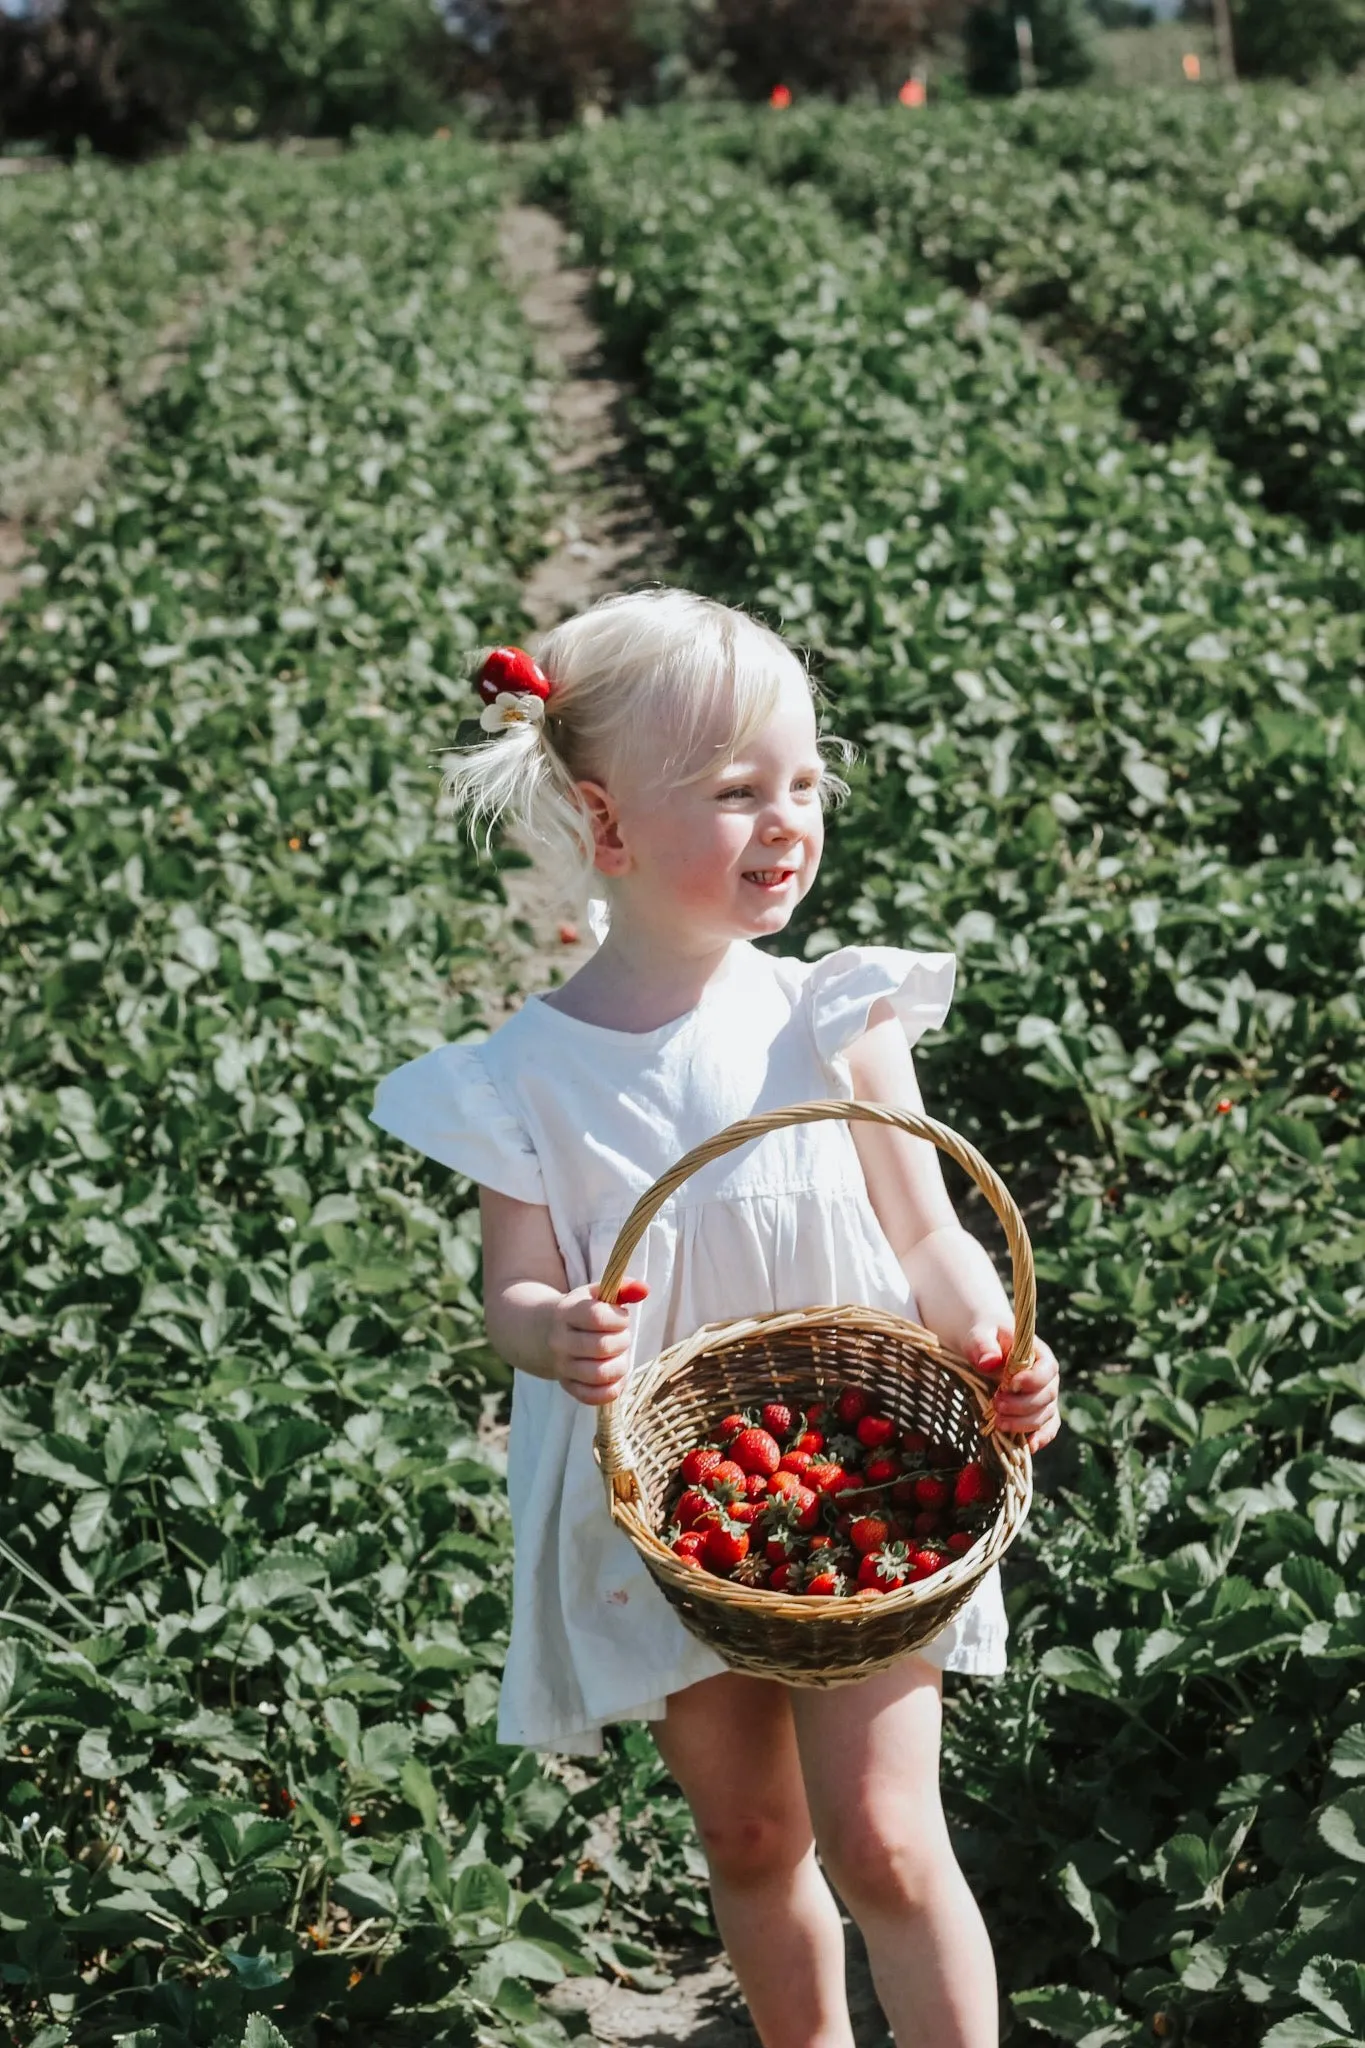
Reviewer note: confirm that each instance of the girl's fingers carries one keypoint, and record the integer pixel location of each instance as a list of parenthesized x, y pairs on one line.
[(597, 1315), (1033, 1385), (590, 1381), (591, 1397), (1024, 1414)]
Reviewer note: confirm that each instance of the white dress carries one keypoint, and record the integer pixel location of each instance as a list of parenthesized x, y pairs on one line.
[(582, 1118)]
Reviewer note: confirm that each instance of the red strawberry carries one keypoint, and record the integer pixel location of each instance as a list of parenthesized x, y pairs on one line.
[(825, 1583), (942, 1456), (924, 1563), (780, 1577), (731, 1425), (784, 1485), (690, 1544), (914, 1442), (851, 1405), (725, 1546), (881, 1467), (691, 1560), (960, 1542), (869, 1532), (931, 1492), (727, 1480), (820, 1543), (928, 1522), (874, 1432), (743, 1512), (756, 1451), (816, 1412), (811, 1441), (903, 1493), (756, 1486), (698, 1465), (692, 1506), (777, 1419), (780, 1544), (807, 1506), (828, 1478), (884, 1570), (974, 1483), (794, 1461)]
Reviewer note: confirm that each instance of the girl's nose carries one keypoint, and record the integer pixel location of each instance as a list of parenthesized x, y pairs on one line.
[(783, 824)]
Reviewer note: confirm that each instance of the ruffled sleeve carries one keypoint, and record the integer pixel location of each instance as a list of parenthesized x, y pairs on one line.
[(445, 1105), (842, 988)]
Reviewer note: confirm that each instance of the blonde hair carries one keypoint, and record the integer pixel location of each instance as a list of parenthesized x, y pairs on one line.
[(645, 681)]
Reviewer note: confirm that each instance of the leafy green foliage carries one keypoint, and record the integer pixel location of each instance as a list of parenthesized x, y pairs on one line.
[(1239, 336), (1291, 163), (1115, 738), (97, 272), (254, 1567)]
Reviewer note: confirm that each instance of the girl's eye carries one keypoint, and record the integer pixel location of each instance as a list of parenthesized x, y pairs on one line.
[(739, 790)]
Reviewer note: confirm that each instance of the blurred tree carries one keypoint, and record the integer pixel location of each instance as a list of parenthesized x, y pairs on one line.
[(558, 57), (130, 74), (1064, 48), (1275, 40), (813, 47)]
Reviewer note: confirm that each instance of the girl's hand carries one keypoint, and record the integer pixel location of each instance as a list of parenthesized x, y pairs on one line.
[(1028, 1406), (588, 1341)]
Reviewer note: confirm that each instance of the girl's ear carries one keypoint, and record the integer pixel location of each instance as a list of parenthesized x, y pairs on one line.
[(610, 854)]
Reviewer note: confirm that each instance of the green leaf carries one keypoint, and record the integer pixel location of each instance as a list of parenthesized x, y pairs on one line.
[(1342, 1826), (482, 1890), (1081, 2017), (415, 1784), (1337, 1990), (261, 2034), (1301, 2030), (1348, 1753)]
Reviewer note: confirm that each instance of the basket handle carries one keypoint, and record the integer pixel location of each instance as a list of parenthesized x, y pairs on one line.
[(611, 1449)]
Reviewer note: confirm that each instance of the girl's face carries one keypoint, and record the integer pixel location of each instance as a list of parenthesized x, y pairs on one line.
[(729, 856)]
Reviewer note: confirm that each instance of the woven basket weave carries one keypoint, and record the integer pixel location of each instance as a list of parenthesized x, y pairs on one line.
[(801, 1356)]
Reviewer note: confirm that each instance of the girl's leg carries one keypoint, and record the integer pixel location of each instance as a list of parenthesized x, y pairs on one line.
[(870, 1756), (729, 1743)]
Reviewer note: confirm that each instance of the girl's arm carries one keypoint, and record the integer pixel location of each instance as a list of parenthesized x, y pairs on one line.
[(958, 1291), (535, 1321)]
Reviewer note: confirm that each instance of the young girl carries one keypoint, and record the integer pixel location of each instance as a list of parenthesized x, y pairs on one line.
[(664, 752)]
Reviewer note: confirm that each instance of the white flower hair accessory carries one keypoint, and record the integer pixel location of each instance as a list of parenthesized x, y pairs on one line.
[(511, 708)]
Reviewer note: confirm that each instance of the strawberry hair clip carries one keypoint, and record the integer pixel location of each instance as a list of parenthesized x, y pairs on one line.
[(513, 687)]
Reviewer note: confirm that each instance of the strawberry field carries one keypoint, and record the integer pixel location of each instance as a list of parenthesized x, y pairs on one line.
[(1044, 438)]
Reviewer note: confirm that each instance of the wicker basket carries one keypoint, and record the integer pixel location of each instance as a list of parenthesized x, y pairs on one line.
[(801, 1356)]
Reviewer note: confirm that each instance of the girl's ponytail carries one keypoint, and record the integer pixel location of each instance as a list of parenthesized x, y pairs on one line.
[(519, 777)]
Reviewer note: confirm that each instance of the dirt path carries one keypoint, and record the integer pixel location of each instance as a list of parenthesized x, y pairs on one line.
[(37, 500), (607, 538)]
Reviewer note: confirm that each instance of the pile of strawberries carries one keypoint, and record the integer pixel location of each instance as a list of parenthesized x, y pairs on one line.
[(827, 1500)]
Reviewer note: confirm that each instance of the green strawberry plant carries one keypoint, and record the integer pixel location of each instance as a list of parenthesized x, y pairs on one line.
[(254, 1551), (1236, 334), (1114, 737)]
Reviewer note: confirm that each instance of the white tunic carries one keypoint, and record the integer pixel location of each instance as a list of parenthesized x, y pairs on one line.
[(582, 1118)]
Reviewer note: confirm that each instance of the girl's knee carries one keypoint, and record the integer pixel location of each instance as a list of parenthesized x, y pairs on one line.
[(887, 1863), (749, 1847)]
